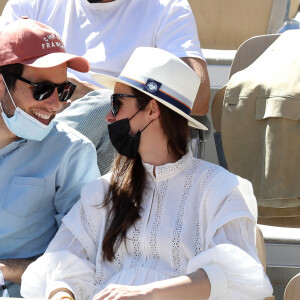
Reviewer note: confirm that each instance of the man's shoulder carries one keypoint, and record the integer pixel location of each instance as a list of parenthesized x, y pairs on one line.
[(98, 186), (19, 5), (63, 133), (167, 3), (39, 10)]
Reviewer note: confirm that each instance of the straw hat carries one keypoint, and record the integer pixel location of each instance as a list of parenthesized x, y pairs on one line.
[(161, 75)]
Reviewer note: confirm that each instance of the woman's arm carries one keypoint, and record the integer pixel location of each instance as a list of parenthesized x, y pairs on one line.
[(228, 269), (190, 287), (65, 267)]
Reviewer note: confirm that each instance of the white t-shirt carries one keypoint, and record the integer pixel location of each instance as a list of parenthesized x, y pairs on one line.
[(106, 34), (194, 215)]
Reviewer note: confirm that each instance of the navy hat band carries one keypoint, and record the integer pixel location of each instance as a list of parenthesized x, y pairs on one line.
[(157, 92)]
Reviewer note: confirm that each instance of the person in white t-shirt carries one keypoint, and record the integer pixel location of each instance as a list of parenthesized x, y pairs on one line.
[(106, 33), (162, 225)]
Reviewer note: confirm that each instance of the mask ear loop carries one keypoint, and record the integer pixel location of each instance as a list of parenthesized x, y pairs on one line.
[(140, 131), (146, 126), (135, 114), (11, 98), (1, 107)]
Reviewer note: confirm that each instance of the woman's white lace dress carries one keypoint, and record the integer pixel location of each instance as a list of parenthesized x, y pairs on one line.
[(194, 215)]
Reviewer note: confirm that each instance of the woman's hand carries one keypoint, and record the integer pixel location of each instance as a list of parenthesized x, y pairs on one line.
[(117, 291), (195, 285)]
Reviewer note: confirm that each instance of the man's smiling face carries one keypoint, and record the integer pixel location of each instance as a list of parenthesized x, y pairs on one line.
[(22, 94)]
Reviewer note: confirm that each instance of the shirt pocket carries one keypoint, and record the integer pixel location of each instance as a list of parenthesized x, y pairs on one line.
[(26, 196), (277, 107)]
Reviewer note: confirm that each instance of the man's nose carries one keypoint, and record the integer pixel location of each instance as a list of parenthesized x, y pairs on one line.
[(53, 102)]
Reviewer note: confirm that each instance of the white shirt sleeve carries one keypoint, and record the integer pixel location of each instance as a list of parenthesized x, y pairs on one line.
[(177, 32), (231, 262), (15, 9)]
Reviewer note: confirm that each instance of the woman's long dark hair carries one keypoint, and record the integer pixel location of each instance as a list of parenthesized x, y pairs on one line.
[(125, 194)]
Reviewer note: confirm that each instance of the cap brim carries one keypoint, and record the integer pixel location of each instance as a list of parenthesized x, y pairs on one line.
[(55, 59), (110, 81)]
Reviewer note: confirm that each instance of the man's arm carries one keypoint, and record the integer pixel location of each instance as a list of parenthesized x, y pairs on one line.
[(201, 104), (13, 269), (83, 88), (77, 169)]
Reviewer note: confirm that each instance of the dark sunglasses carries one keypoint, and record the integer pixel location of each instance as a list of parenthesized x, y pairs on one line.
[(115, 102), (43, 90)]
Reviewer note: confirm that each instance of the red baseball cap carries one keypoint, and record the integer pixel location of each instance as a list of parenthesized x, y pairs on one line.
[(34, 44)]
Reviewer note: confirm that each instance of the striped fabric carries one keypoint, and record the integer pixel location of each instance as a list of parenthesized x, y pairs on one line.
[(87, 115)]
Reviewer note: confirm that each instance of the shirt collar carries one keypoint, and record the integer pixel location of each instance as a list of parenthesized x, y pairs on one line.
[(169, 170), (12, 146), (105, 7)]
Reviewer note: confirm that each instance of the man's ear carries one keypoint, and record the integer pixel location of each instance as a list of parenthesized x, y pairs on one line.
[(153, 110)]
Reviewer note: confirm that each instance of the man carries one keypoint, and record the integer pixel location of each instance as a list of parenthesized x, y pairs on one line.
[(106, 33), (43, 163), (261, 127)]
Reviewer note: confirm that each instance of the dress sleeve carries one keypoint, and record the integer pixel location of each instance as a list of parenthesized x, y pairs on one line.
[(64, 265), (70, 259), (230, 259)]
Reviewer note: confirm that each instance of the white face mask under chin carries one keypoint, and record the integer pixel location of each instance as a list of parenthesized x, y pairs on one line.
[(23, 125)]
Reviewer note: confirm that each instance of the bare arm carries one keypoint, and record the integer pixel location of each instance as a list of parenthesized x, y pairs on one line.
[(192, 286), (13, 269), (201, 104), (82, 88)]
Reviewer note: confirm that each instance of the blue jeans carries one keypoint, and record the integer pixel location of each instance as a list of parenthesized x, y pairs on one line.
[(13, 289)]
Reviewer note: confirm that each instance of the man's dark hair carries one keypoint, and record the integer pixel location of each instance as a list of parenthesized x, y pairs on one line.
[(7, 70)]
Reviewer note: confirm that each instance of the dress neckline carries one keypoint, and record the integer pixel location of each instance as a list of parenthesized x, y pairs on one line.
[(169, 170)]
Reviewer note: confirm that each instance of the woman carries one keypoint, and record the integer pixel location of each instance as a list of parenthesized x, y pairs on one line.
[(162, 225)]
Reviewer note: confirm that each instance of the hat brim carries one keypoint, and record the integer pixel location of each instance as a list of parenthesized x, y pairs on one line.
[(55, 59), (110, 81)]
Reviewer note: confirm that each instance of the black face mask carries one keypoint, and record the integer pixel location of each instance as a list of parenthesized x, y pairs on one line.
[(121, 139), (124, 143)]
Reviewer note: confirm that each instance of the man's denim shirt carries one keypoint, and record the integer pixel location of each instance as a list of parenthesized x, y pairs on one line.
[(39, 183)]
